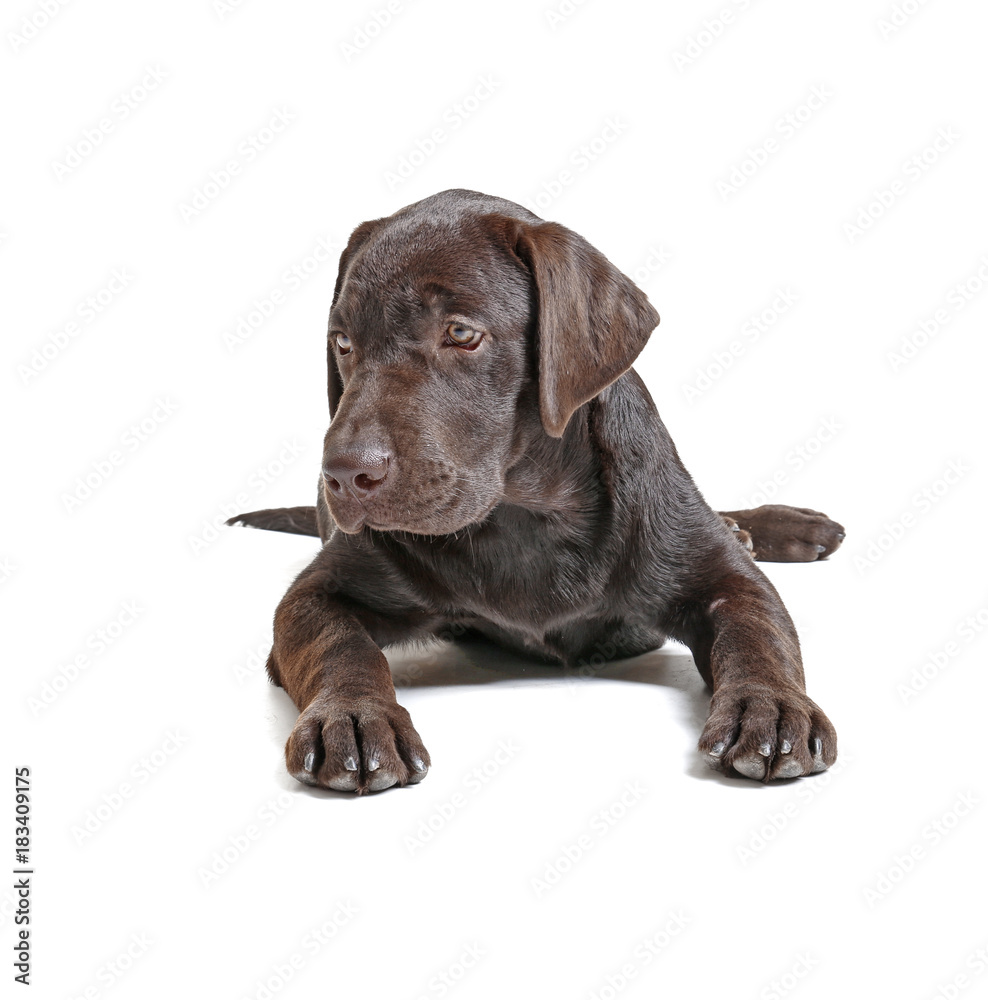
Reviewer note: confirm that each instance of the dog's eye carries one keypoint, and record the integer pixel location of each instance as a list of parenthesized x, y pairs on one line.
[(463, 336), (343, 343)]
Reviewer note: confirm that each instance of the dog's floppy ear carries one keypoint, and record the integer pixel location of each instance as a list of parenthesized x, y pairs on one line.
[(334, 384), (592, 320)]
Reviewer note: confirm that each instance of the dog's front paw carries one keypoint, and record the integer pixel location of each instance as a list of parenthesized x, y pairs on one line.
[(359, 745), (765, 734)]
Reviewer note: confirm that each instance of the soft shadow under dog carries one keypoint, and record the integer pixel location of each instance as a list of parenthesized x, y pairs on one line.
[(479, 661)]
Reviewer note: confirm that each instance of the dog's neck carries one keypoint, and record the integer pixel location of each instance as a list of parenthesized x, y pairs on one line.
[(556, 476)]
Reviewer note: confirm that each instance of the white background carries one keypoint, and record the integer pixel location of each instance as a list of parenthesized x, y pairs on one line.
[(836, 885)]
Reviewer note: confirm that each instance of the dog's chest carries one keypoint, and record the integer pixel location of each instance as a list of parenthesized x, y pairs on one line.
[(522, 571)]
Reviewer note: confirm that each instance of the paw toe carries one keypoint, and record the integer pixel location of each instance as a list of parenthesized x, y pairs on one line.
[(788, 768), (345, 782), (750, 767)]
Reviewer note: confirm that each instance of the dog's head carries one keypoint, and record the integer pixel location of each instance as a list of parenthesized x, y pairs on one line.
[(461, 327)]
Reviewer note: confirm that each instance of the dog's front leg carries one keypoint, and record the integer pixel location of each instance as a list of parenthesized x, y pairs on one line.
[(761, 722), (351, 735)]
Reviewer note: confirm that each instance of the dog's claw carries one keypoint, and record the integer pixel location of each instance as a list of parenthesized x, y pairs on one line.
[(310, 762), (350, 764), (717, 749), (765, 749)]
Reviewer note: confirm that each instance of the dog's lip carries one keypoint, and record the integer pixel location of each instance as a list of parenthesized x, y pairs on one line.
[(350, 524), (352, 515)]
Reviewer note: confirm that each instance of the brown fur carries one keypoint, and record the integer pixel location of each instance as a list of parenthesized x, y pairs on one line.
[(523, 487)]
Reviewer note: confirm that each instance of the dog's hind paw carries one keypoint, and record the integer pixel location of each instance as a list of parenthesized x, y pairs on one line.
[(779, 533), (743, 537)]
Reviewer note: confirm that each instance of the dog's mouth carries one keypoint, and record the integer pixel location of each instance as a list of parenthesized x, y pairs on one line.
[(433, 518)]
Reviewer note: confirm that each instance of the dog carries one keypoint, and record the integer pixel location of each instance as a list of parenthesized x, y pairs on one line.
[(494, 466)]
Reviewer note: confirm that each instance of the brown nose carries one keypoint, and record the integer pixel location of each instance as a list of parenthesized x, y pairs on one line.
[(358, 472)]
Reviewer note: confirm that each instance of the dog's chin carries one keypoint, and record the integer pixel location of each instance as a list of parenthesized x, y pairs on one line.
[(351, 519)]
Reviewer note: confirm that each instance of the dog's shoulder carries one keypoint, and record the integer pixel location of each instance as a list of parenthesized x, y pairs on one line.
[(626, 431)]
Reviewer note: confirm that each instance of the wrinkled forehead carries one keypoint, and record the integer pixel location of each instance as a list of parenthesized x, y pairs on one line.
[(407, 271)]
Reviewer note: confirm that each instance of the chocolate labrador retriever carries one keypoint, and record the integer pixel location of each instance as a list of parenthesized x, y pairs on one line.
[(494, 465)]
